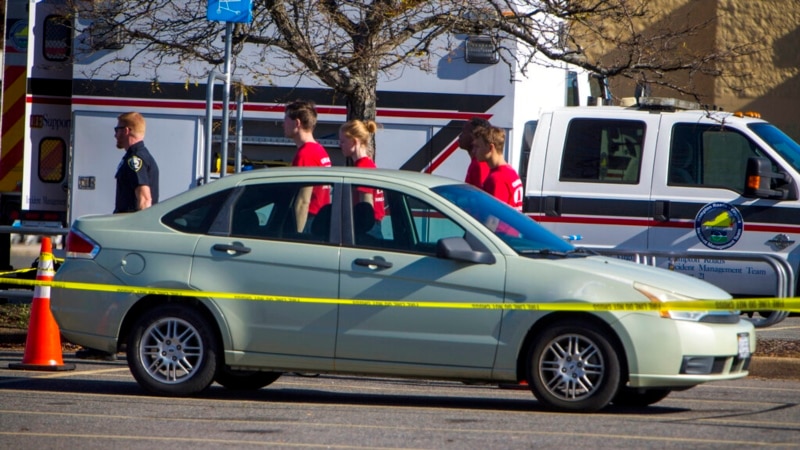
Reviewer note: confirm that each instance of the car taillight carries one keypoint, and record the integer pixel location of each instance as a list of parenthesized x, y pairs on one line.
[(80, 246)]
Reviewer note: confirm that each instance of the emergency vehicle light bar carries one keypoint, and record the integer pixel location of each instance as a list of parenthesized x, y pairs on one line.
[(666, 103)]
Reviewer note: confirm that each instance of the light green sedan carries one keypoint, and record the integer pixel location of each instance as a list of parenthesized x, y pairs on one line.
[(238, 281)]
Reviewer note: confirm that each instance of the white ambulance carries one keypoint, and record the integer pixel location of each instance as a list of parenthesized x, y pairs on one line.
[(64, 89)]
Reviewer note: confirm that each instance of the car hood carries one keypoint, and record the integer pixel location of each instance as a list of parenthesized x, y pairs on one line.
[(607, 279)]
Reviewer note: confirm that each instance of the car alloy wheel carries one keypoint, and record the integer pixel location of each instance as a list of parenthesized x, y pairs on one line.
[(574, 367), (172, 352)]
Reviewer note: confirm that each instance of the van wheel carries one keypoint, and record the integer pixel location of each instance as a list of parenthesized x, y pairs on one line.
[(245, 380), (573, 367), (639, 397), (766, 318), (171, 351)]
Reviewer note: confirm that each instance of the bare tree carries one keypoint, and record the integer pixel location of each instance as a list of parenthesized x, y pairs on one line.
[(348, 44)]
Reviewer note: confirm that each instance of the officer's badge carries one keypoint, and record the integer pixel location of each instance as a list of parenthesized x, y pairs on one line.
[(135, 163)]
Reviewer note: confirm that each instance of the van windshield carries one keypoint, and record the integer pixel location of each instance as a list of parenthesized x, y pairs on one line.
[(777, 139), (519, 231)]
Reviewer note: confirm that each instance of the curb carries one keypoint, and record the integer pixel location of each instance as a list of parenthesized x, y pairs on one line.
[(775, 368)]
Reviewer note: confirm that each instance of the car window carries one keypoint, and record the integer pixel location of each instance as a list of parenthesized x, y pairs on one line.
[(404, 223), (267, 211), (709, 156), (603, 150), (196, 217), (516, 229)]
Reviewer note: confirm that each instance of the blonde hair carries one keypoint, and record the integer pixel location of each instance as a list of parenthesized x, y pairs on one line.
[(361, 130), (133, 121)]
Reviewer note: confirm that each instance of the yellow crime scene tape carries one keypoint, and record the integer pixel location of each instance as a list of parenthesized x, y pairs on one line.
[(743, 304)]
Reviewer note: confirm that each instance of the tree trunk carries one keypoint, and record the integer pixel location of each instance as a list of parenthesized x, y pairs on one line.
[(362, 101)]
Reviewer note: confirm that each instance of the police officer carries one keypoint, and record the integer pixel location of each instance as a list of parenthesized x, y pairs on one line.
[(137, 185), (137, 174)]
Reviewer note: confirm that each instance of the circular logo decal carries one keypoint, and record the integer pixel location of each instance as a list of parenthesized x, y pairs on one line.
[(18, 36), (718, 225), (135, 163)]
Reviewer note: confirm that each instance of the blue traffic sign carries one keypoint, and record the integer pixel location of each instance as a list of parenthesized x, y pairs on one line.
[(230, 10)]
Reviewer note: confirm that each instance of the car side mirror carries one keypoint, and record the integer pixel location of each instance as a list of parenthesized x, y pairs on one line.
[(759, 180), (457, 248)]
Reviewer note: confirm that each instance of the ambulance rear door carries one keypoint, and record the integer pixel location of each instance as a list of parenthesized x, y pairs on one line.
[(172, 140)]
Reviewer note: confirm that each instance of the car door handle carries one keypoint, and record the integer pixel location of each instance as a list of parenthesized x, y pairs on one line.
[(235, 248), (383, 264)]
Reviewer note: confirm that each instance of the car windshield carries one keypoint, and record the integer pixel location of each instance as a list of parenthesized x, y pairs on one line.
[(519, 231), (777, 139)]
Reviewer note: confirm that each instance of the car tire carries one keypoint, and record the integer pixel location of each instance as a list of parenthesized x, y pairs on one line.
[(172, 351), (639, 397), (244, 380), (573, 367)]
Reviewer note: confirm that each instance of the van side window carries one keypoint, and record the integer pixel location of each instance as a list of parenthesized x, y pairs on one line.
[(709, 156), (607, 151)]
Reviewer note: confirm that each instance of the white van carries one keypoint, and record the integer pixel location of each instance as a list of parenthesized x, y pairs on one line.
[(707, 193)]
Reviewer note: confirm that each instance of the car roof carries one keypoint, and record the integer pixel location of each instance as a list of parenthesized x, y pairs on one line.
[(392, 175), (693, 115), (400, 177)]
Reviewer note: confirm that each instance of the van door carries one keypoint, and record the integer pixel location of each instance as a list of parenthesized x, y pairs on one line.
[(699, 207), (597, 179)]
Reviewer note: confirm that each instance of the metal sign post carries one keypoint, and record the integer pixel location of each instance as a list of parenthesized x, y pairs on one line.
[(228, 11)]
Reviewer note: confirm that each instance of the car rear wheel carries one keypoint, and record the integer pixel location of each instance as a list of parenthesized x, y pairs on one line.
[(573, 367), (639, 397), (171, 351), (245, 380)]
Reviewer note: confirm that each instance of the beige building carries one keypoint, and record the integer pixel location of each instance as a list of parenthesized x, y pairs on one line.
[(767, 81)]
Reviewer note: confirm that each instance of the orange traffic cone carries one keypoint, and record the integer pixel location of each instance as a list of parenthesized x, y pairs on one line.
[(43, 345)]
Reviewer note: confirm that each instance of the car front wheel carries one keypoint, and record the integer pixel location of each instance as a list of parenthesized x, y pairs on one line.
[(573, 367), (171, 351)]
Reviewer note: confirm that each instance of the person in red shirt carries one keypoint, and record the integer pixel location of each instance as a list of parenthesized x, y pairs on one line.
[(477, 170), (503, 182), (299, 121), (355, 139)]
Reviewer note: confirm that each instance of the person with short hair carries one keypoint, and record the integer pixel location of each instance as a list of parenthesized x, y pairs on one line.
[(477, 170), (137, 173), (355, 139), (299, 121), (137, 185), (503, 182)]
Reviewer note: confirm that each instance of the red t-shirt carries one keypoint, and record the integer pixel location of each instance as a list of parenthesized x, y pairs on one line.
[(377, 194), (314, 155), (477, 173), (504, 183)]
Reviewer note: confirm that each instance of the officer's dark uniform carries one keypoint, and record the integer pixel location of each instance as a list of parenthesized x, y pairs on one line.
[(136, 168)]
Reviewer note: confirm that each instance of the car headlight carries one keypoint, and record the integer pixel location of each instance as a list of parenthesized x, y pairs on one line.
[(658, 295)]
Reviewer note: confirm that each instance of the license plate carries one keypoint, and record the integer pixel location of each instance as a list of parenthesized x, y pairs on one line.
[(744, 345)]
